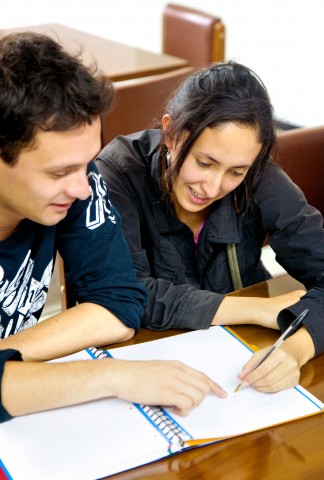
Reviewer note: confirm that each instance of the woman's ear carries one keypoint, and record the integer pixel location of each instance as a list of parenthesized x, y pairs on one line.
[(167, 127)]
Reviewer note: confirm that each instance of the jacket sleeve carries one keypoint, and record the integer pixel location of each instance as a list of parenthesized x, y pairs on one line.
[(96, 256), (168, 305), (296, 235), (175, 306), (5, 355)]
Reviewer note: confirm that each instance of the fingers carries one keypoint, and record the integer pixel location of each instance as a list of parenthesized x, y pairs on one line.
[(167, 383), (248, 367), (273, 378), (191, 388), (275, 384), (279, 372), (201, 380)]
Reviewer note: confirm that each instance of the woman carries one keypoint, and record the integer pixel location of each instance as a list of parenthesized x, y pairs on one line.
[(198, 196)]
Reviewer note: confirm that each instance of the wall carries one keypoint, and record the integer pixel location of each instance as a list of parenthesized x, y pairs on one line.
[(282, 40)]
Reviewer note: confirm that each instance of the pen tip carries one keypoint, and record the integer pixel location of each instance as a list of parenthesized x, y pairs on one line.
[(237, 388)]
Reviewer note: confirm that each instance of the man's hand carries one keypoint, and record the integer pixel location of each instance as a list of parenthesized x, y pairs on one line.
[(34, 386), (165, 383)]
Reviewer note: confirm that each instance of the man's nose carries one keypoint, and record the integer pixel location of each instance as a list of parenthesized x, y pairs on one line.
[(79, 187)]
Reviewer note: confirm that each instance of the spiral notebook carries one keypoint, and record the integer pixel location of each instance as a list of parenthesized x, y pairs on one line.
[(101, 438)]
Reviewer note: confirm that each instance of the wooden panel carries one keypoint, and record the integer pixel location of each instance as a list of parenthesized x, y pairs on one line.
[(116, 60)]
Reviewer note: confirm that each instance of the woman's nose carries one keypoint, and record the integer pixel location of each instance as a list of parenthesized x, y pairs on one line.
[(212, 186)]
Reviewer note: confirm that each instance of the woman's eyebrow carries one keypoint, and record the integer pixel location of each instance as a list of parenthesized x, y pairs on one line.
[(212, 159)]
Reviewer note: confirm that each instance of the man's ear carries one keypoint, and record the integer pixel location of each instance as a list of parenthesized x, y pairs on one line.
[(167, 126)]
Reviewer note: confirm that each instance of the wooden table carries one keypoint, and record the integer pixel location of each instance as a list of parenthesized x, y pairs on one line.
[(116, 60), (291, 451)]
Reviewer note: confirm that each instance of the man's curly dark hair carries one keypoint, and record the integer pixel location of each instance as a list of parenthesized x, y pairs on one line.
[(43, 87)]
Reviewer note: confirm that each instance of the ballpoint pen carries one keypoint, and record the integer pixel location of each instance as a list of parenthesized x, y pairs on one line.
[(293, 327)]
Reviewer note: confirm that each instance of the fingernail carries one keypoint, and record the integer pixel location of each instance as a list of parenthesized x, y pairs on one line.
[(244, 384)]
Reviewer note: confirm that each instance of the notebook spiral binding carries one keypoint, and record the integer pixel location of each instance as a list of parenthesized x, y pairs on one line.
[(174, 433), (98, 353)]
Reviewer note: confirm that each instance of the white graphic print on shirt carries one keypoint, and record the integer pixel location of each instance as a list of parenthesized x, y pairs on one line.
[(22, 299), (99, 203), (24, 295)]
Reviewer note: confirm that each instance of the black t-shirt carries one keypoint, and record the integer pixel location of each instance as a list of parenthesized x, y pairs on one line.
[(96, 260)]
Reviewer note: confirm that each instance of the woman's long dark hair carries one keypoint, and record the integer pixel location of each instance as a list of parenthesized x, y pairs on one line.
[(211, 97)]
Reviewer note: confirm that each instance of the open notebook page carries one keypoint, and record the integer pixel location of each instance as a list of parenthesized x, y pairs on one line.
[(82, 442), (221, 355)]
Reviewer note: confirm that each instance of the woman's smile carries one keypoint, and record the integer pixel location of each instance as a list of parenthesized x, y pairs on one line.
[(215, 166), (197, 197)]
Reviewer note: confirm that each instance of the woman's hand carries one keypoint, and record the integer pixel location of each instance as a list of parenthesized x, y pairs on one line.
[(267, 317), (254, 310), (281, 370)]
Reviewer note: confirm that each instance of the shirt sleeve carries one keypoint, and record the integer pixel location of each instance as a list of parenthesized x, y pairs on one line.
[(314, 321), (5, 355), (96, 257), (296, 235)]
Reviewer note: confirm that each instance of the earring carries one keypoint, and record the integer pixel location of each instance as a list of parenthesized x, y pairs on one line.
[(237, 208), (168, 159)]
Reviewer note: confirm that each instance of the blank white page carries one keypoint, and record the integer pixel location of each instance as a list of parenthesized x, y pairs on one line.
[(221, 355), (83, 442)]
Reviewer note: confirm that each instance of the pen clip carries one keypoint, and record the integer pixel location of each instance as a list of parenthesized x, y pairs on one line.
[(294, 326)]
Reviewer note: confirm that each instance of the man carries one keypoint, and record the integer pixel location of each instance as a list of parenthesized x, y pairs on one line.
[(53, 198)]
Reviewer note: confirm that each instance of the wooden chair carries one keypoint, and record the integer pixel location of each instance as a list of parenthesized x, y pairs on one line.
[(197, 36), (300, 152), (301, 155), (138, 102)]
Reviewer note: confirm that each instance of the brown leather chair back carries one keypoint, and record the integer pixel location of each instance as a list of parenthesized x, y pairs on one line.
[(197, 36), (301, 155), (138, 102)]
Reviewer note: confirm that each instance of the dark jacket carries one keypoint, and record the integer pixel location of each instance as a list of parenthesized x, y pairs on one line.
[(186, 286)]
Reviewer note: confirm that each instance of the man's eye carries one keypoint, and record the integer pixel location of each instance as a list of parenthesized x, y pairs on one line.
[(58, 174)]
